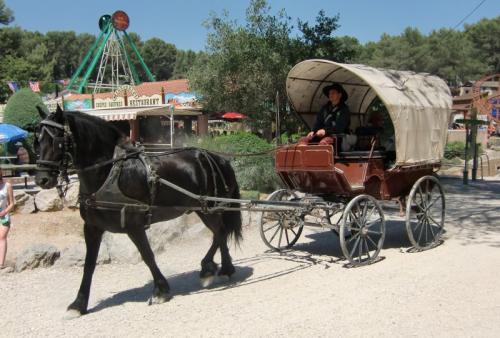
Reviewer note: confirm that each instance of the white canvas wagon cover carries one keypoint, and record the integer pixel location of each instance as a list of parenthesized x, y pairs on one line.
[(419, 104)]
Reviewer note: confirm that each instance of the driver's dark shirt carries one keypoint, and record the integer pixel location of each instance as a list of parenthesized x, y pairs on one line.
[(334, 119)]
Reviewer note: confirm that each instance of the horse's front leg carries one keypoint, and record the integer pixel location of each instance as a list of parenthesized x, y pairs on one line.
[(93, 237), (161, 289)]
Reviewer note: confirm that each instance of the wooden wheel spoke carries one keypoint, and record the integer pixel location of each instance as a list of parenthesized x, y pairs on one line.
[(353, 238), (371, 213), (421, 194), (433, 202), (281, 235), (371, 232), (360, 250), (432, 232), (354, 247), (355, 218), (293, 232), (363, 213), (272, 226), (369, 225), (426, 226), (274, 235), (434, 221), (286, 235), (371, 240), (421, 230), (367, 249), (420, 205)]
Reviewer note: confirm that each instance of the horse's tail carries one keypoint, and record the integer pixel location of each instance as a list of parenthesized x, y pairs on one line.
[(232, 219)]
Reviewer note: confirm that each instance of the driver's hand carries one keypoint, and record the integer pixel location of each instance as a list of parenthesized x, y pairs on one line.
[(310, 135), (321, 133)]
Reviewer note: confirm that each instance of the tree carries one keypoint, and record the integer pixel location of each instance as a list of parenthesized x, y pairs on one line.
[(485, 42), (21, 109), (6, 14), (245, 66), (451, 56), (318, 41), (160, 57), (184, 61)]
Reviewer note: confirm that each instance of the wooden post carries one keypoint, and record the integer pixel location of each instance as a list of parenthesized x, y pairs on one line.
[(125, 98), (93, 101), (134, 130), (162, 95), (188, 126), (202, 125)]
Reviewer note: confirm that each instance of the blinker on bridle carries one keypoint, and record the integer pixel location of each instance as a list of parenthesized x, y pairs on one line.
[(62, 146)]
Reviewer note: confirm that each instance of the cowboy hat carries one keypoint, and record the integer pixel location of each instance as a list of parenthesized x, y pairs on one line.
[(338, 88)]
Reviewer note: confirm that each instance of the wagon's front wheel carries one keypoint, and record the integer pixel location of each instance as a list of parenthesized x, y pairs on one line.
[(425, 211), (362, 230), (280, 230)]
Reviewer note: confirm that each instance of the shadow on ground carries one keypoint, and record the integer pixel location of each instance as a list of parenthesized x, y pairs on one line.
[(473, 211), (472, 214)]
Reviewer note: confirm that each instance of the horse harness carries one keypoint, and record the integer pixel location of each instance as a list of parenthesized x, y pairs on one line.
[(109, 196)]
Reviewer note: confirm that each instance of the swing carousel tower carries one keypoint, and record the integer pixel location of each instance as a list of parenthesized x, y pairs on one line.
[(115, 67)]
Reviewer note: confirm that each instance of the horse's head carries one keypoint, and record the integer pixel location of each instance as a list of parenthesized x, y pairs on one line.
[(52, 144)]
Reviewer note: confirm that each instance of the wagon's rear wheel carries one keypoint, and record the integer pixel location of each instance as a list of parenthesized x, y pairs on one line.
[(280, 230), (425, 211), (362, 230)]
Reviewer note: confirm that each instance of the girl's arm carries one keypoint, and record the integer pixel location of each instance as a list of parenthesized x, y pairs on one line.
[(10, 200)]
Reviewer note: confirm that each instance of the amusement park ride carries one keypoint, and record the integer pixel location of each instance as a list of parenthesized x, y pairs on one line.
[(483, 105), (109, 48)]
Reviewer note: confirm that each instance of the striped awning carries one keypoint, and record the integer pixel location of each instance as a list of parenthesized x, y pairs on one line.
[(125, 114)]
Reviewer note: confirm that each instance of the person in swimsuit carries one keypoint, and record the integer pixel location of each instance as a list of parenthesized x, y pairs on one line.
[(6, 205)]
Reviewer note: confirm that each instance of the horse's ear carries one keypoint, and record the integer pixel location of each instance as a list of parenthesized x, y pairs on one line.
[(58, 113), (43, 114)]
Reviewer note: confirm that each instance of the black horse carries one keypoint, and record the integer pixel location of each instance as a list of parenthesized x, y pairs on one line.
[(87, 144)]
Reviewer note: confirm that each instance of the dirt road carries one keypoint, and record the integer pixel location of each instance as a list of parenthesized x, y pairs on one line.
[(451, 290)]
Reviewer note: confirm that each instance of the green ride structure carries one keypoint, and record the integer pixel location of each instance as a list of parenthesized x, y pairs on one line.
[(115, 65)]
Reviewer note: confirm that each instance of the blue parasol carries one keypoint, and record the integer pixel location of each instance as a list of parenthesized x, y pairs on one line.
[(10, 132)]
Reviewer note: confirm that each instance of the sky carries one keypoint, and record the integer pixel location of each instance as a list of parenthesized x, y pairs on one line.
[(180, 21)]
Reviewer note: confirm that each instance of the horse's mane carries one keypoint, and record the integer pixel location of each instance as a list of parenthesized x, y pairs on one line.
[(88, 129), (99, 126)]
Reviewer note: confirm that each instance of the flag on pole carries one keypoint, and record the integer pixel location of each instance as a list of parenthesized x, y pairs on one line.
[(35, 86), (13, 86)]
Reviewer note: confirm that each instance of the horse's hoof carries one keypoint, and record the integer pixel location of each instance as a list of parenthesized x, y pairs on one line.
[(159, 299), (72, 314), (207, 281), (227, 271)]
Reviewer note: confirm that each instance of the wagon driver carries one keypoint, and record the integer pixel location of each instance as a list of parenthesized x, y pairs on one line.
[(333, 118)]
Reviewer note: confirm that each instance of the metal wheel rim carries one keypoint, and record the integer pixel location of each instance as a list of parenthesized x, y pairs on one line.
[(364, 220), (276, 236), (425, 213)]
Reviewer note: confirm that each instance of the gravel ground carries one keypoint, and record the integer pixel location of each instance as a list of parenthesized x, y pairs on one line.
[(451, 290)]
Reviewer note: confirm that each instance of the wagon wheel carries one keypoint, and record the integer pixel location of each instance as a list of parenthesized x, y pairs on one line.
[(362, 230), (425, 211), (280, 230)]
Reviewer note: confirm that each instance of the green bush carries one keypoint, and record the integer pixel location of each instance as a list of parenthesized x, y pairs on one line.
[(21, 109), (457, 149), (252, 173), (287, 138)]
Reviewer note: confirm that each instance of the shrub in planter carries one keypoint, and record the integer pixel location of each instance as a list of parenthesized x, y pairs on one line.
[(253, 172)]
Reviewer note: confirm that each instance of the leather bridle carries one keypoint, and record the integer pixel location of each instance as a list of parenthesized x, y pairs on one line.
[(63, 148)]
